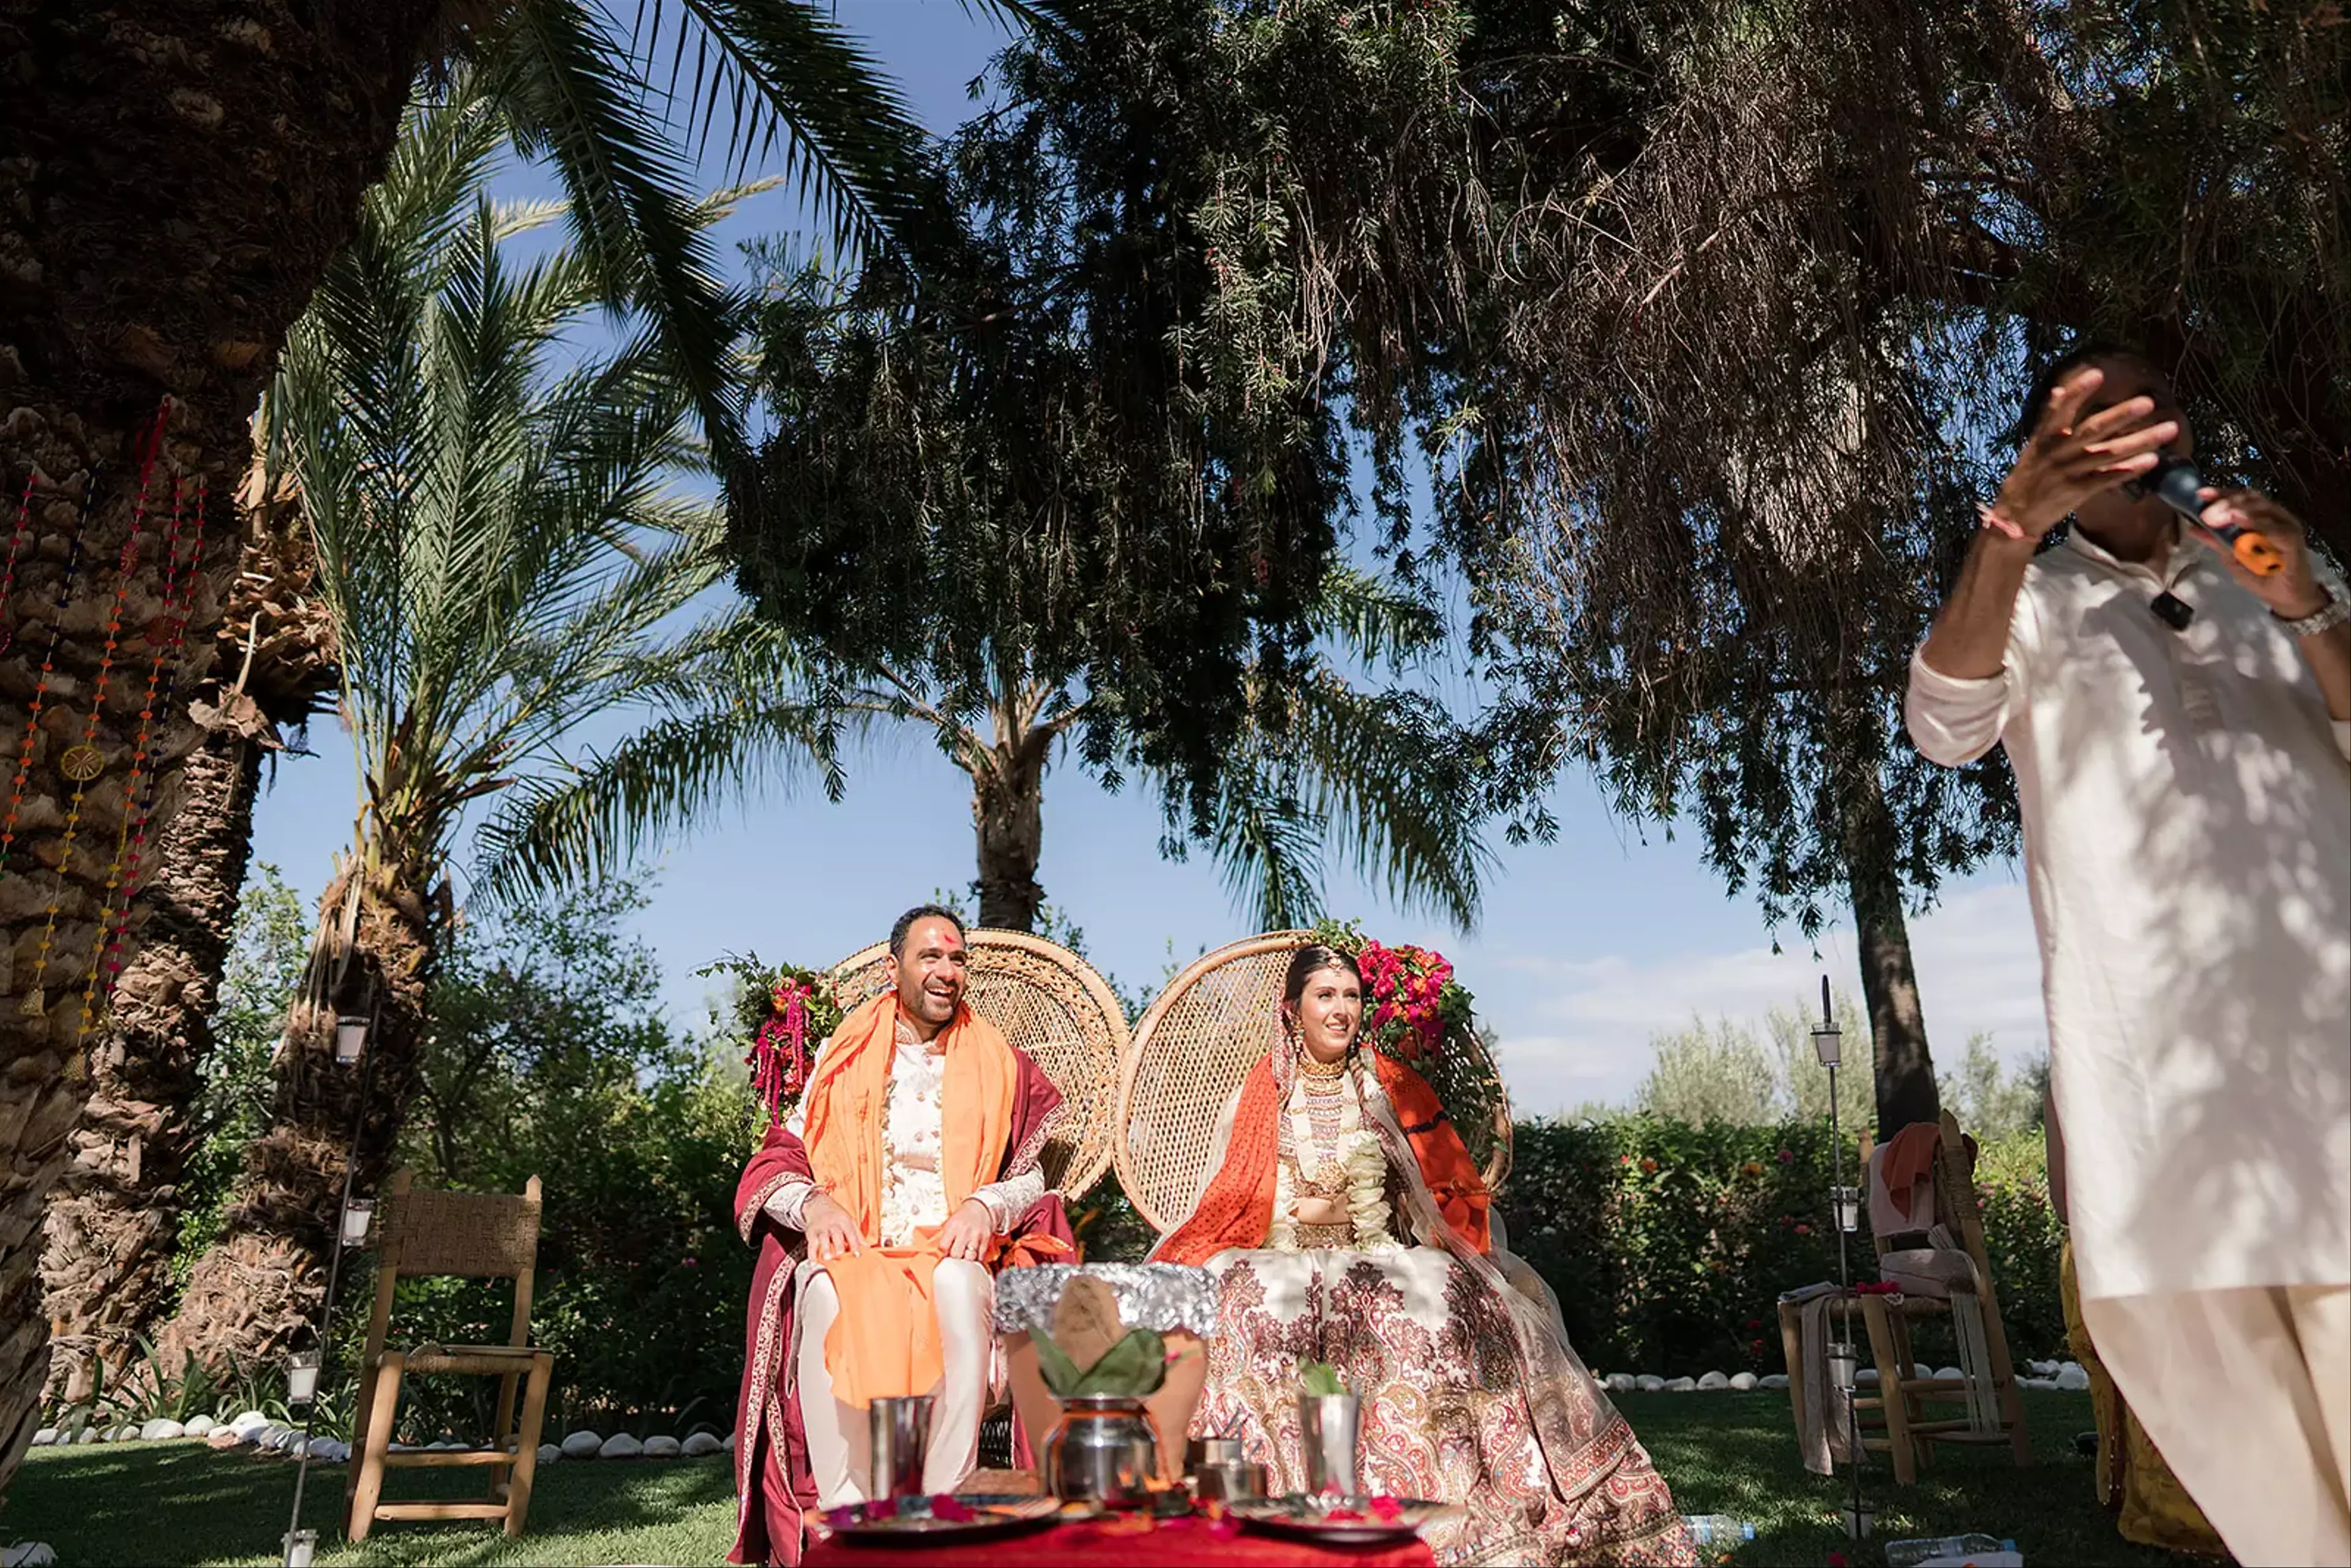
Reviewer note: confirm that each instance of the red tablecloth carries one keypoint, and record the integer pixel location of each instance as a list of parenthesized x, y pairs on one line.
[(1094, 1544)]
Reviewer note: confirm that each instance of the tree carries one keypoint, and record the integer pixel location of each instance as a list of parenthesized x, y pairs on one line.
[(1733, 1072), (178, 178), (505, 559)]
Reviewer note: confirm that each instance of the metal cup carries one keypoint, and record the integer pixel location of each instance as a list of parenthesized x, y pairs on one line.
[(1232, 1481), (1327, 1425), (902, 1435), (1200, 1452)]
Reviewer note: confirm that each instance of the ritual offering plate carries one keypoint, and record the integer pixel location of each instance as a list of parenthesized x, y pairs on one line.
[(1335, 1520), (915, 1521)]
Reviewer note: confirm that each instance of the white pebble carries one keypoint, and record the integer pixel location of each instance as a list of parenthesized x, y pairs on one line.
[(1953, 1373), (2072, 1378), (1772, 1380), (1650, 1383), (28, 1555), (1622, 1383), (700, 1445), (661, 1447), (333, 1450), (44, 1436), (1682, 1386), (729, 1443), (1744, 1381), (582, 1445), (201, 1425), (249, 1422), (162, 1429), (88, 1434), (621, 1445), (548, 1453), (1713, 1380)]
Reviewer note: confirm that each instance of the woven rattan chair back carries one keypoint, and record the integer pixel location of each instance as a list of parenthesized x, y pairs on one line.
[(1051, 1004), (1201, 1035)]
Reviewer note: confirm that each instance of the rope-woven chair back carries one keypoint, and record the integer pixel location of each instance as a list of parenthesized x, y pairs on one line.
[(1201, 1034), (492, 1235), (1051, 1003)]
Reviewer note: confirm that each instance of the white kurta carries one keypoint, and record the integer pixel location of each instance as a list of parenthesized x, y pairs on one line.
[(2186, 813)]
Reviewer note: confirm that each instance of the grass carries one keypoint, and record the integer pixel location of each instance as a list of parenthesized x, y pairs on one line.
[(1722, 1453)]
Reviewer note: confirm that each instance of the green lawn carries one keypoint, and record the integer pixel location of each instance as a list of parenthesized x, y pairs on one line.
[(1723, 1453)]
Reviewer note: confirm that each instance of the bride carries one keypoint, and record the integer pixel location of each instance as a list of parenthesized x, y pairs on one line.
[(1347, 1225)]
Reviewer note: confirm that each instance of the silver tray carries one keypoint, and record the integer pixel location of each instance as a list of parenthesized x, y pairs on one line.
[(1300, 1517), (909, 1521)]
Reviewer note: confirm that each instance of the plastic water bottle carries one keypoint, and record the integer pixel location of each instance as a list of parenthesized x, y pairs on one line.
[(1718, 1529), (1948, 1548)]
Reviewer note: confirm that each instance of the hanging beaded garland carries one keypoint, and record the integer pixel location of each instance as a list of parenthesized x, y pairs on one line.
[(82, 764), (168, 636), (23, 531)]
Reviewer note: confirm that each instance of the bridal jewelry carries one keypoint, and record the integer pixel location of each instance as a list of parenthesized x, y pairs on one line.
[(1322, 1069)]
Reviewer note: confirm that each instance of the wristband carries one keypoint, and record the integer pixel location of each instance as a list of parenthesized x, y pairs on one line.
[(2325, 618), (1988, 515)]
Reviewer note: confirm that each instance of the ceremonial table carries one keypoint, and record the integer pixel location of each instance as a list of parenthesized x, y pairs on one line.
[(1135, 1538)]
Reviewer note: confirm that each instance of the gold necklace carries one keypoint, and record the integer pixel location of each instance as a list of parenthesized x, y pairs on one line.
[(1314, 1068)]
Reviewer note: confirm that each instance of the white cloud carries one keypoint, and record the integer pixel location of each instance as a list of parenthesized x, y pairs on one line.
[(1575, 1030)]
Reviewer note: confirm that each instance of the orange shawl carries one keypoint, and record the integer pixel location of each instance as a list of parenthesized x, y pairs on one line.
[(885, 1341), (1236, 1209)]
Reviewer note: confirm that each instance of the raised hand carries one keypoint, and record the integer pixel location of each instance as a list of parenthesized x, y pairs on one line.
[(2071, 457), (830, 1232), (2291, 591)]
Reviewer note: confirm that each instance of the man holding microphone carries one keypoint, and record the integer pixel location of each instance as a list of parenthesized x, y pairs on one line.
[(2180, 726)]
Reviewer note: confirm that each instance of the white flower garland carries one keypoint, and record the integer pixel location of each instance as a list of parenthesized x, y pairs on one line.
[(1363, 1159)]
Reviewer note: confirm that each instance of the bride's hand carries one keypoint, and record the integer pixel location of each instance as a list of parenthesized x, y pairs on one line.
[(1320, 1211)]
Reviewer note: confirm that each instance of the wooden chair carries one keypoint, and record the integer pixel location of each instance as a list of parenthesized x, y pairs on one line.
[(1204, 1032), (487, 1235), (1051, 1003), (1899, 1408)]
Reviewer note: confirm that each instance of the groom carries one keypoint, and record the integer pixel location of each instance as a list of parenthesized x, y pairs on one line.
[(879, 1209)]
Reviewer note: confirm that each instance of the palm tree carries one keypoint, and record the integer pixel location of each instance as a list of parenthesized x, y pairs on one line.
[(179, 179), (506, 557)]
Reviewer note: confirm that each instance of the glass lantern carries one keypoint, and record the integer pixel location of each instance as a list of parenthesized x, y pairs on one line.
[(302, 1376), (358, 1214), (351, 1038)]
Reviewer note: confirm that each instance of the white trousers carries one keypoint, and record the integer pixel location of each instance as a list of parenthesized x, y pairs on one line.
[(840, 1440), (2248, 1394)]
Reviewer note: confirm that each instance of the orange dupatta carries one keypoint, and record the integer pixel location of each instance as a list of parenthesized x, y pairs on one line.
[(885, 1341), (1236, 1209)]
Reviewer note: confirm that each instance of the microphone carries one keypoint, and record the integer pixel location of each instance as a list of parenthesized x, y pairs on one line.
[(2175, 482)]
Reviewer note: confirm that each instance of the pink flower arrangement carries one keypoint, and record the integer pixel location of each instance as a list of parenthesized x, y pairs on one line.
[(1412, 997)]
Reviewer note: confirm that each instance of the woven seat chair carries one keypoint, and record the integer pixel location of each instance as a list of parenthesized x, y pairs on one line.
[(487, 1235), (1051, 1004), (1199, 1039)]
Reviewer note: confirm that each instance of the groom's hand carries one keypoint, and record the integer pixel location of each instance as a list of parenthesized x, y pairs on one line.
[(967, 1231), (830, 1232)]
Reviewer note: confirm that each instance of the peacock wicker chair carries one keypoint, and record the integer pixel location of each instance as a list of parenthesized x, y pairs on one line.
[(1051, 1004), (1201, 1035)]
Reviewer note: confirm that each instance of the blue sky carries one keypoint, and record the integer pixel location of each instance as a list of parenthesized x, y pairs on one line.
[(1588, 946)]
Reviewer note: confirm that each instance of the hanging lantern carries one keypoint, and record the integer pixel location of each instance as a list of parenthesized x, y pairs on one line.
[(1826, 1045), (357, 1216), (351, 1038), (301, 1545), (1848, 1208), (1842, 1367), (302, 1376)]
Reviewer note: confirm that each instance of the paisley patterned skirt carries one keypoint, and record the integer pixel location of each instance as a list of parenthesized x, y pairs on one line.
[(1432, 1356)]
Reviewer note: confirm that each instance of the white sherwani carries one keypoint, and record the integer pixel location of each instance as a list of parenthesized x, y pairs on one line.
[(2186, 813), (912, 1197)]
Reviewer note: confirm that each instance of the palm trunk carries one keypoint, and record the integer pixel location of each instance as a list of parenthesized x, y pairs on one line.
[(176, 176), (253, 1294), (114, 1218), (1889, 984), (1008, 812)]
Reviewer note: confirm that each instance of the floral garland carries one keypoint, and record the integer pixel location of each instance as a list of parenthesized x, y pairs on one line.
[(1363, 1165), (784, 1012), (1416, 1010)]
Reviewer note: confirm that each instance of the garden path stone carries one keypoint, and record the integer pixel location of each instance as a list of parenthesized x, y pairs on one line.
[(162, 1429), (701, 1445), (1867, 1377), (1712, 1380), (661, 1447), (249, 1422), (1951, 1372), (1772, 1380), (88, 1434), (1622, 1383), (334, 1451), (28, 1555), (1744, 1381), (226, 1437), (199, 1425), (729, 1443), (1648, 1383), (548, 1453), (582, 1445), (2072, 1378), (621, 1445), (44, 1436), (1682, 1386)]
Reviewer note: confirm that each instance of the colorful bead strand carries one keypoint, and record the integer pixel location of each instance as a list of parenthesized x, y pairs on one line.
[(15, 548)]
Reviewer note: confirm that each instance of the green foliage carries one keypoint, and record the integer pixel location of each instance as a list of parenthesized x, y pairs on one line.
[(1318, 1379), (1725, 1073), (549, 1059), (1990, 1101), (1133, 1368), (1669, 1244), (257, 984)]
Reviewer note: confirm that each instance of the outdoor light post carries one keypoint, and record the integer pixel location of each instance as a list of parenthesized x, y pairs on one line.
[(1828, 1044)]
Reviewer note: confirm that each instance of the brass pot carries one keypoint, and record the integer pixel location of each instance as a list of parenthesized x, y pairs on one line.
[(1104, 1449)]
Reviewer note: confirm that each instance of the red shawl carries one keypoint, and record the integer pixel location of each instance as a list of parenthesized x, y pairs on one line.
[(774, 1488)]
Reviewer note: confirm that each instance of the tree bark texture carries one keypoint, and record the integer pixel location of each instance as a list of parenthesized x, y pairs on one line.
[(114, 1217), (1008, 812), (256, 1291), (173, 179), (1889, 984)]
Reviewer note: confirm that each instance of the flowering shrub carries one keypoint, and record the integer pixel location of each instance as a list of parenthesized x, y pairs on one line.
[(1669, 1244)]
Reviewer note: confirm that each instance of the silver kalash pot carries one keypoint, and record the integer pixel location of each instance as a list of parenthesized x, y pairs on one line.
[(1104, 1449)]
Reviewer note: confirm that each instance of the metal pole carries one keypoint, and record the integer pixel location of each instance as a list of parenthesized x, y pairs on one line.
[(335, 1259)]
